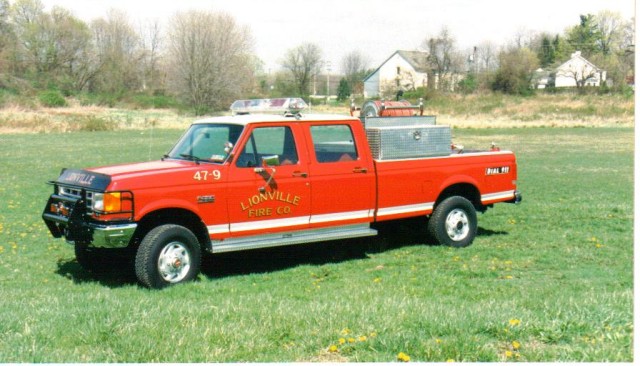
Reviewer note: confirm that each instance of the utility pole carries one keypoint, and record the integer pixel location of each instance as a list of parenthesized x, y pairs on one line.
[(328, 72)]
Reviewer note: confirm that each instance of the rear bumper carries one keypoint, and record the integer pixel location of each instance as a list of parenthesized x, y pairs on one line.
[(517, 197)]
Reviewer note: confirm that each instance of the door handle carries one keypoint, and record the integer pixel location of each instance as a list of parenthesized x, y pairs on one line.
[(360, 170), (300, 174)]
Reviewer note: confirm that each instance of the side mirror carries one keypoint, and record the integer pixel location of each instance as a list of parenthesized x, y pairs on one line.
[(271, 160)]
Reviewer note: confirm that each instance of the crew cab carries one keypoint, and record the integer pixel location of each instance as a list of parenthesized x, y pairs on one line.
[(250, 181)]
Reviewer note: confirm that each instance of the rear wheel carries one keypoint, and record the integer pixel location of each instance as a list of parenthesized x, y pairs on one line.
[(168, 254), (454, 222)]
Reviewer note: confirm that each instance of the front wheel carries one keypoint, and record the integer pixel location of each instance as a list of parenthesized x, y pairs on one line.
[(454, 222), (168, 254)]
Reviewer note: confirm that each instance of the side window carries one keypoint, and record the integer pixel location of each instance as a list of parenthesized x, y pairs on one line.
[(333, 143), (269, 142)]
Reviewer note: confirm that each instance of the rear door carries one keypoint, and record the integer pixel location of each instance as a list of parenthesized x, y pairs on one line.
[(269, 188), (342, 176)]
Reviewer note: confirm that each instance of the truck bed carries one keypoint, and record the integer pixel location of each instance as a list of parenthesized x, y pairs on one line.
[(410, 187)]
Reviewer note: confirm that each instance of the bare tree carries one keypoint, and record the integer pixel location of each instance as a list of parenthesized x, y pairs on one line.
[(303, 62), (34, 35), (443, 59), (5, 27), (7, 38), (523, 38), (487, 56), (354, 67), (610, 26), (209, 59), (150, 43), (53, 46), (118, 53)]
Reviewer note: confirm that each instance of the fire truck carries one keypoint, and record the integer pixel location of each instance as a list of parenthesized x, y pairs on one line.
[(255, 180)]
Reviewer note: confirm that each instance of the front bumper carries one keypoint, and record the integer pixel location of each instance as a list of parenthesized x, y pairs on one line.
[(74, 226)]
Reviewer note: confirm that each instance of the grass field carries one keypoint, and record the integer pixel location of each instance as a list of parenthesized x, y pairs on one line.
[(548, 280)]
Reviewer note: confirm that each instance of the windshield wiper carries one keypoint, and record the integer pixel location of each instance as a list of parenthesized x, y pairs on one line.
[(192, 157)]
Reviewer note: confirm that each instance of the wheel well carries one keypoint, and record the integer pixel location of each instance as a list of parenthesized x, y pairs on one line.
[(466, 190), (176, 216)]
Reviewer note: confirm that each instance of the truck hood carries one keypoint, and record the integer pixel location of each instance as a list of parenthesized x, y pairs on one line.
[(132, 176), (138, 169)]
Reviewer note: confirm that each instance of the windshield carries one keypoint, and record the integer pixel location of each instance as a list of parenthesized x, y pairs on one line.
[(206, 142)]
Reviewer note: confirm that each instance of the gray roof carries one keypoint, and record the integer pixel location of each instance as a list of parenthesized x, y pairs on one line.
[(417, 60)]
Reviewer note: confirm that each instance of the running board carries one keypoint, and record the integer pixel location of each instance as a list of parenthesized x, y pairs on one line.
[(290, 238)]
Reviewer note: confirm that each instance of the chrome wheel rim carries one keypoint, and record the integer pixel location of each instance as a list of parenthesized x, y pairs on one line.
[(174, 262), (457, 225)]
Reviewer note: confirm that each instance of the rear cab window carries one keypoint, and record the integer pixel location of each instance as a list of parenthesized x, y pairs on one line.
[(333, 143)]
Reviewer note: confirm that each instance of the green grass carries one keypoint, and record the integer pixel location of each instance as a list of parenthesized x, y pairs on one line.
[(548, 280)]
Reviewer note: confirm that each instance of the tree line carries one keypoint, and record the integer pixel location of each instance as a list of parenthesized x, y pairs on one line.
[(205, 60)]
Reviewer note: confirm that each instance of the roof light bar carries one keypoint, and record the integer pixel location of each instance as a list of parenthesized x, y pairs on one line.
[(275, 105)]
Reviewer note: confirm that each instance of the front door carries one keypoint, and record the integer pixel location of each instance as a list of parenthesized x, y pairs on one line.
[(269, 189)]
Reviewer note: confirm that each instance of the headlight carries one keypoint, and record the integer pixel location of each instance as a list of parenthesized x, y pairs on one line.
[(111, 202)]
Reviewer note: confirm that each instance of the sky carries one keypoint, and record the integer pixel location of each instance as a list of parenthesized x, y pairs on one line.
[(376, 28)]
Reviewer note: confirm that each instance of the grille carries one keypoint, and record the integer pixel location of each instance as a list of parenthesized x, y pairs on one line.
[(77, 193)]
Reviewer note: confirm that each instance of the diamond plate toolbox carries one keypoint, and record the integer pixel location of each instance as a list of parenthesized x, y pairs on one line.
[(372, 122), (391, 142)]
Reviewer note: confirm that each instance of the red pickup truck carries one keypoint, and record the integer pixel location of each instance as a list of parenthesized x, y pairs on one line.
[(253, 180)]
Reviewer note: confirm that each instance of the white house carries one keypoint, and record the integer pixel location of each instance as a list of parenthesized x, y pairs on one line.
[(404, 70), (579, 72)]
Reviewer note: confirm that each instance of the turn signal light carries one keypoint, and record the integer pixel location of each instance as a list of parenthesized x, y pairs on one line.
[(112, 202)]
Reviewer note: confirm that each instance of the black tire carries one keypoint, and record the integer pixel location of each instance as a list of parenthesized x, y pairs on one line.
[(168, 255), (454, 222), (102, 260)]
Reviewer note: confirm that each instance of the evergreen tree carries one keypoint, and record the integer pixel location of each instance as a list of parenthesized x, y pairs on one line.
[(344, 90), (584, 37), (547, 53)]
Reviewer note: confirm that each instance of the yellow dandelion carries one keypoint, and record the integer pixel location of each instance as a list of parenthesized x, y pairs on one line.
[(345, 331), (351, 340), (342, 341), (333, 348), (515, 345), (362, 338), (373, 334), (514, 322), (438, 340), (403, 357), (508, 354)]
